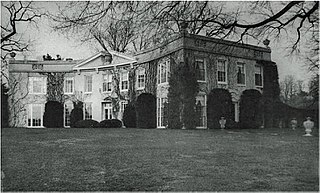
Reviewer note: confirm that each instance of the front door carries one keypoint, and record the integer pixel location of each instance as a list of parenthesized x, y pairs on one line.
[(107, 111)]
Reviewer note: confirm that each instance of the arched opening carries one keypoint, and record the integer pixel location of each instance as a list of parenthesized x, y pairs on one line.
[(219, 105), (146, 110), (250, 109)]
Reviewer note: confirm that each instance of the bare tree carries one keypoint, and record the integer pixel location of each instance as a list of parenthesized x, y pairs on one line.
[(13, 14), (289, 87), (17, 94)]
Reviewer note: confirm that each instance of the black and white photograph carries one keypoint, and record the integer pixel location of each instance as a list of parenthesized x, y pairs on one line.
[(159, 96)]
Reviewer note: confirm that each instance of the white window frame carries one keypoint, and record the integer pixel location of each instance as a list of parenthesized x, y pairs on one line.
[(141, 72), (65, 85), (121, 80), (70, 104), (43, 81), (244, 72), (226, 71), (166, 64), (204, 111), (106, 81), (30, 115), (160, 118), (87, 104), (122, 105), (205, 68), (86, 83), (261, 71)]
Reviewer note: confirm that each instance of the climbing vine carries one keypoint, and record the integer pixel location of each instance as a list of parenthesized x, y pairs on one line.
[(55, 83), (183, 88)]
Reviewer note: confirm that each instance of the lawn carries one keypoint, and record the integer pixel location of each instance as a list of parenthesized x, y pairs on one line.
[(158, 160)]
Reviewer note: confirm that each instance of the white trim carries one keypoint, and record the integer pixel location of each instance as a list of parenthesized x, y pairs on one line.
[(64, 86), (85, 84), (127, 74), (103, 81), (42, 79), (206, 113), (258, 86), (84, 110), (167, 72), (139, 69), (226, 71), (199, 59), (30, 114), (244, 70), (64, 113), (113, 53)]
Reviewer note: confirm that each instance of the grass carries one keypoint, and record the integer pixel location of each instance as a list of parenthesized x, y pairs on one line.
[(158, 160)]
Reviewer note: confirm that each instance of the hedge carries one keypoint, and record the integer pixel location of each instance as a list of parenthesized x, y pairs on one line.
[(219, 105), (146, 111), (76, 113), (53, 114), (250, 109), (129, 116), (87, 124), (110, 123)]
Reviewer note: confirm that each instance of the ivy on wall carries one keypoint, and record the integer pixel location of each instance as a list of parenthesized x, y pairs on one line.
[(183, 88), (55, 83), (151, 77), (271, 94)]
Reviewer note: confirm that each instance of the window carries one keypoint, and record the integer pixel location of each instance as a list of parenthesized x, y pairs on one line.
[(88, 83), (200, 70), (162, 115), (37, 85), (123, 106), (241, 76), (87, 111), (163, 72), (124, 80), (258, 75), (107, 83), (67, 111), (35, 115), (68, 85), (222, 72), (141, 78), (201, 111)]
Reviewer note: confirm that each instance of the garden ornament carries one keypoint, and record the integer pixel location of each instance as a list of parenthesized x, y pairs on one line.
[(294, 123), (222, 122), (308, 125)]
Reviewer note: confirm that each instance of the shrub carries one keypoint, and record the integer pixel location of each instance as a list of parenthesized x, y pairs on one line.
[(76, 113), (129, 116), (53, 114), (110, 123), (250, 111), (219, 105), (87, 124), (146, 111)]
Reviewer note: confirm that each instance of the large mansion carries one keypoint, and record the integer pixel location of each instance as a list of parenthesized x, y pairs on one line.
[(218, 63)]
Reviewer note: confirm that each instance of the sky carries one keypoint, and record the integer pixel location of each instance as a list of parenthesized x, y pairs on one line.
[(45, 40)]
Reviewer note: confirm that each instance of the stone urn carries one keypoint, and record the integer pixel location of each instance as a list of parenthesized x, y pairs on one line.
[(308, 125)]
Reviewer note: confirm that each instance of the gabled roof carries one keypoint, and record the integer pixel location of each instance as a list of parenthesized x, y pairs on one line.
[(96, 61)]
